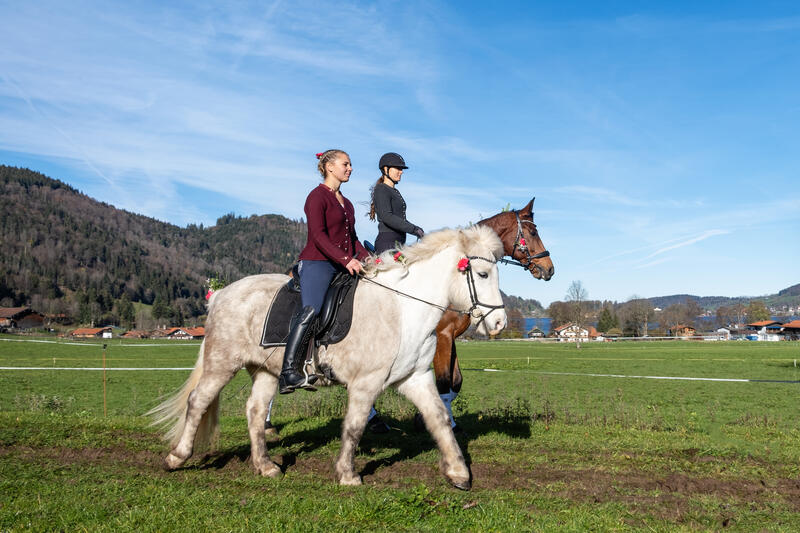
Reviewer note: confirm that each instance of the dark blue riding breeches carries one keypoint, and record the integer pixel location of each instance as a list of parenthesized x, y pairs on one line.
[(315, 277)]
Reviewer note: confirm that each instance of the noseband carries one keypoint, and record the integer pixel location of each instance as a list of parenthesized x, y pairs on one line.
[(527, 261)]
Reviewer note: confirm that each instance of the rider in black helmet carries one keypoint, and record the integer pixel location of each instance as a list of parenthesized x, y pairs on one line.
[(389, 206)]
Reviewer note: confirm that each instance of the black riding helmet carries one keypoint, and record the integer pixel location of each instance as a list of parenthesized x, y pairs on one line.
[(391, 159)]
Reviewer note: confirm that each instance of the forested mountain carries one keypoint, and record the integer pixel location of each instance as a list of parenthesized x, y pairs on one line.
[(63, 252)]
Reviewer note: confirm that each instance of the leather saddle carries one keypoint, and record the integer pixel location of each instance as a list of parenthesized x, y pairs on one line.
[(330, 326)]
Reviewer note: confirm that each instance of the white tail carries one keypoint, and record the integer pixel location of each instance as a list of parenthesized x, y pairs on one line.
[(173, 411)]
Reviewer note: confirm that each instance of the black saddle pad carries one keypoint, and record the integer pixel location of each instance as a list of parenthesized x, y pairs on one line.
[(331, 325)]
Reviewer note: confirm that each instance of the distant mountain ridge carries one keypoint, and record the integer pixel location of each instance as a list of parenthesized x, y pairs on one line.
[(789, 296)]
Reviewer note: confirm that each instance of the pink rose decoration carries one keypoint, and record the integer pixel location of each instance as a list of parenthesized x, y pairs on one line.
[(319, 154), (522, 242), (398, 256), (463, 264), (378, 261)]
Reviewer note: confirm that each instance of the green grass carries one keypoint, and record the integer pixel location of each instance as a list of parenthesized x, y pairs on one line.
[(550, 449)]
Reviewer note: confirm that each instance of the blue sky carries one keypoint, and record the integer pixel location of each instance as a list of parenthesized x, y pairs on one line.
[(660, 141)]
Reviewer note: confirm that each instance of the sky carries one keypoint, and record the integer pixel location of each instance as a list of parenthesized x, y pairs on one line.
[(660, 139)]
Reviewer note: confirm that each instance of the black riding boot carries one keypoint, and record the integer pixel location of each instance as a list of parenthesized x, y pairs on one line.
[(294, 355)]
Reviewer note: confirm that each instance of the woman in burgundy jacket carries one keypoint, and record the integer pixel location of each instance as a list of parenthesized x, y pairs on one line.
[(332, 246)]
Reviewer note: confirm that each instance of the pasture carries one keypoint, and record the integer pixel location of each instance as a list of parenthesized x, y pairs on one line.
[(550, 446)]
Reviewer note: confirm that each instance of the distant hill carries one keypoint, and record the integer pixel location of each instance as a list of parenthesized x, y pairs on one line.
[(62, 249), (789, 297), (527, 307)]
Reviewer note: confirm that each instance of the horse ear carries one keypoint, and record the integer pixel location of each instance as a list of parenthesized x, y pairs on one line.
[(528, 208)]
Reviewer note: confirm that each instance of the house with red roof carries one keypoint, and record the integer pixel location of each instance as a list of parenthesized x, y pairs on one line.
[(92, 333), (185, 333), (791, 330), (571, 332), (20, 318)]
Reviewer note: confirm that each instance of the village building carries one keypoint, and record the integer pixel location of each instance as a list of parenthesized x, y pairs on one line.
[(136, 334), (681, 330), (93, 333), (765, 330), (20, 318), (571, 332), (791, 330), (535, 333), (185, 333)]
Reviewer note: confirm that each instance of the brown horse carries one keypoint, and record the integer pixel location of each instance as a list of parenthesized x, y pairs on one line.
[(522, 244)]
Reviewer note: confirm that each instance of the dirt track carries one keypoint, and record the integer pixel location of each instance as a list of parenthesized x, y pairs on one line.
[(668, 496)]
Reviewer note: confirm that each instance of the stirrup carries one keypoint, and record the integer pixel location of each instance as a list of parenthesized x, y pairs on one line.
[(310, 379)]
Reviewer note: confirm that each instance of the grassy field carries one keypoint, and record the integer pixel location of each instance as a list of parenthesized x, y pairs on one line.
[(551, 447)]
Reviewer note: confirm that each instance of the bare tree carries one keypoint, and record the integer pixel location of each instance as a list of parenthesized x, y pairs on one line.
[(577, 295), (637, 311)]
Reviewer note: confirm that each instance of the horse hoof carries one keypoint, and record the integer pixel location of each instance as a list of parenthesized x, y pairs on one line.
[(462, 485), (352, 481), (172, 462), (269, 470)]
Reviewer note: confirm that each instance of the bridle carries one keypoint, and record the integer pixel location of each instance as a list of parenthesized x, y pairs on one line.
[(474, 311), (473, 293), (527, 261)]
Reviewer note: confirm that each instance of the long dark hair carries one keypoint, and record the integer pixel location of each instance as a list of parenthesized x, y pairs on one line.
[(371, 213)]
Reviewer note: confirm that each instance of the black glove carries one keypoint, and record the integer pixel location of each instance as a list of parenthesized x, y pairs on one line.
[(418, 232)]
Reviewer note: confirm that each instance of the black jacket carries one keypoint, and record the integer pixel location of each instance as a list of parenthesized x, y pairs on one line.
[(391, 211)]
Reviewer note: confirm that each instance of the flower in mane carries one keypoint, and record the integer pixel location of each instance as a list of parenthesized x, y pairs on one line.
[(214, 284), (463, 264), (399, 257)]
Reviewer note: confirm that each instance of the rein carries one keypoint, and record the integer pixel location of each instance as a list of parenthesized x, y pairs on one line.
[(473, 295)]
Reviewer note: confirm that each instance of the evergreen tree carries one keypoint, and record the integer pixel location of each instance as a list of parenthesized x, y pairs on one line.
[(127, 314), (607, 320)]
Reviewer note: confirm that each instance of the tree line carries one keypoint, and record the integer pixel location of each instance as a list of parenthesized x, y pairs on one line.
[(637, 317)]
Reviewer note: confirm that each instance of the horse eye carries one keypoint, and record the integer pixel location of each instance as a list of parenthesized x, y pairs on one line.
[(483, 274)]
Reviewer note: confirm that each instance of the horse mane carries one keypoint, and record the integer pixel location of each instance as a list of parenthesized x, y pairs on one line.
[(472, 240)]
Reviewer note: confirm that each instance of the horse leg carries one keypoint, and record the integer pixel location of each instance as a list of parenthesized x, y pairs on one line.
[(419, 388), (263, 392), (360, 396), (445, 361), (205, 395)]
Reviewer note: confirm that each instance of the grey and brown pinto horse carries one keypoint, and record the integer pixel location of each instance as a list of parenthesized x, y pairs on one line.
[(391, 343)]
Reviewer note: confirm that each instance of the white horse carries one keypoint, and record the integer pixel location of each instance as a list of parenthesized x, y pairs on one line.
[(391, 343)]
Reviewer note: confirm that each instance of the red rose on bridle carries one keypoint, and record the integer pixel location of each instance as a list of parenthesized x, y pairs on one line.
[(463, 264)]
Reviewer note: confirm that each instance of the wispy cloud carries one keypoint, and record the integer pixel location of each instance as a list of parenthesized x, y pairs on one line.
[(703, 236)]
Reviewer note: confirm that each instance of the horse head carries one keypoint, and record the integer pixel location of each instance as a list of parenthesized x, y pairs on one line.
[(521, 240), (476, 286)]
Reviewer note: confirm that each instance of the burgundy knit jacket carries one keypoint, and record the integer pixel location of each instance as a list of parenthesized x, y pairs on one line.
[(331, 229)]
